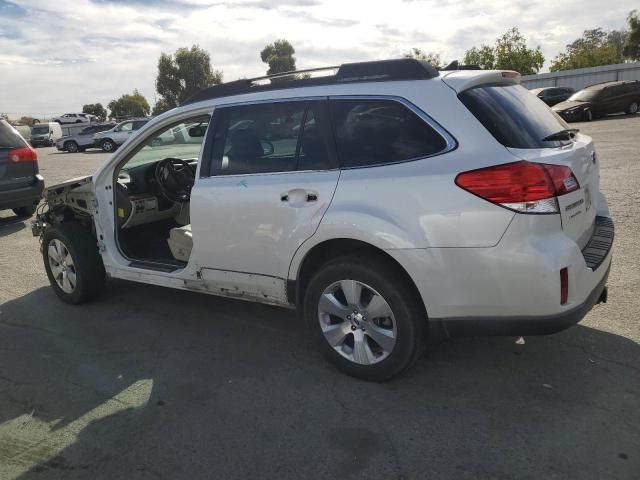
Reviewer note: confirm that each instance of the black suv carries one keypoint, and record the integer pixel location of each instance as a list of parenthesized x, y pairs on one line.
[(20, 183), (600, 100), (553, 95)]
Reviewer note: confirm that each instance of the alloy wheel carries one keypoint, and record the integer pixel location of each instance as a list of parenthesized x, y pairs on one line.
[(357, 322), (62, 266)]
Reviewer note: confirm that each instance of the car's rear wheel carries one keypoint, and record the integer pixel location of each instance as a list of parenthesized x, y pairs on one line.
[(71, 147), (73, 263), (633, 108), (365, 317), (27, 211), (108, 145)]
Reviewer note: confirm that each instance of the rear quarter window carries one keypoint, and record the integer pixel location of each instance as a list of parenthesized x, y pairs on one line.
[(513, 116), (9, 137)]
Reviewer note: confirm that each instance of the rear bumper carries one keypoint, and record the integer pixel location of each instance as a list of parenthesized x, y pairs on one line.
[(23, 197), (543, 325)]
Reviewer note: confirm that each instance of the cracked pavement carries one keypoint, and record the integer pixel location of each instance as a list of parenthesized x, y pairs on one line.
[(152, 383)]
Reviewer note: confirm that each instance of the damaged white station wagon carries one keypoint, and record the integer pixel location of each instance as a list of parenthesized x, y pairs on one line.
[(386, 201)]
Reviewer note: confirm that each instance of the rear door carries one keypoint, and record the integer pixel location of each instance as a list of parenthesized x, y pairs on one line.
[(13, 174), (267, 176), (521, 124)]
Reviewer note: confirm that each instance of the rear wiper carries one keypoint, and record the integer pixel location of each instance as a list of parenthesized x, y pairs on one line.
[(562, 134)]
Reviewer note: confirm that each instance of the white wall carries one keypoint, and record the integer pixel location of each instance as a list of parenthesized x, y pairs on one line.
[(583, 77)]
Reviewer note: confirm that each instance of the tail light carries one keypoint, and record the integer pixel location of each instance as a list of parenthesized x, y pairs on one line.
[(22, 155), (564, 285), (522, 186)]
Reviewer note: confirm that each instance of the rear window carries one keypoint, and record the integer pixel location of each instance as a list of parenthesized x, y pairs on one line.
[(513, 116), (9, 137)]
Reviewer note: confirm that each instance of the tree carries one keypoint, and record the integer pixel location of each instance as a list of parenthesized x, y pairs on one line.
[(433, 58), (181, 75), (28, 120), (595, 47), (95, 109), (510, 52), (631, 48), (279, 56), (127, 106)]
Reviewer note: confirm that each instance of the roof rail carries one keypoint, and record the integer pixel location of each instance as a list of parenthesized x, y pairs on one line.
[(376, 71), (455, 65)]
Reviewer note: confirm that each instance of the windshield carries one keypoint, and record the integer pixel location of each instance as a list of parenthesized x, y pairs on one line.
[(585, 95), (173, 142), (42, 129), (513, 116)]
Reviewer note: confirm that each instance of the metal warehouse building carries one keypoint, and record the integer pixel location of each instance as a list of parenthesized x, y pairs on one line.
[(583, 77)]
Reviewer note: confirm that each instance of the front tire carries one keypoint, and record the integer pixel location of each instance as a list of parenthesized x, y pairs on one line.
[(365, 317), (73, 263), (108, 145), (633, 108), (587, 116), (71, 147)]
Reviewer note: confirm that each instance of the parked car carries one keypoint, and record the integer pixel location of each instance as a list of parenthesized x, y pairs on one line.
[(75, 118), (45, 134), (600, 100), (386, 202), (553, 95), (20, 182), (111, 139), (82, 140)]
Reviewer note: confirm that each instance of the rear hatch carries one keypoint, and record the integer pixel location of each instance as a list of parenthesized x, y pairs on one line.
[(531, 131), (18, 166)]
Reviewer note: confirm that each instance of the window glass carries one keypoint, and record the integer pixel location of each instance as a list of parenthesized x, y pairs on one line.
[(125, 127), (183, 141), (257, 138), (512, 116), (313, 153), (9, 136), (139, 124), (374, 132)]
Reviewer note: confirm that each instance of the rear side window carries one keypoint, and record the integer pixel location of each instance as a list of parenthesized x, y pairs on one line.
[(513, 116), (374, 132), (139, 124), (9, 137)]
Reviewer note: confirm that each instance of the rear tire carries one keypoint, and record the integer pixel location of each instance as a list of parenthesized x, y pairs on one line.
[(26, 212), (71, 147), (633, 108), (73, 263), (402, 320), (108, 145)]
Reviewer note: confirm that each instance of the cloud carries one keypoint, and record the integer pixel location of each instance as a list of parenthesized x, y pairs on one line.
[(57, 56)]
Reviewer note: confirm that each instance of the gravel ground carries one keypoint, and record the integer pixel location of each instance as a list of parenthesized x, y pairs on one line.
[(152, 383)]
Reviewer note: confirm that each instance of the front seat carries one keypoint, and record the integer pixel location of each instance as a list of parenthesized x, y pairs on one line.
[(181, 242), (245, 150)]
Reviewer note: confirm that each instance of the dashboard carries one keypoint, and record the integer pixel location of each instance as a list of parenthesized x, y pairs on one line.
[(139, 200)]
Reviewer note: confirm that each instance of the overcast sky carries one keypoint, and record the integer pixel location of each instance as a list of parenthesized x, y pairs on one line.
[(56, 56)]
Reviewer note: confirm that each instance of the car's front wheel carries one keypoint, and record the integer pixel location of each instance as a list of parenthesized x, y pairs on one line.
[(633, 108), (108, 145), (71, 147), (365, 317), (587, 116), (73, 263)]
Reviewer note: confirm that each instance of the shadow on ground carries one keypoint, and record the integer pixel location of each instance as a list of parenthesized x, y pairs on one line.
[(13, 224), (156, 383)]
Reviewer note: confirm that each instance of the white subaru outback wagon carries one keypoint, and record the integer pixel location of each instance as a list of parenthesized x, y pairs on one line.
[(385, 200)]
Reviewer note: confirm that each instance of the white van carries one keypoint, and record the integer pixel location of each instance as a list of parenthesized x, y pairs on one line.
[(45, 134)]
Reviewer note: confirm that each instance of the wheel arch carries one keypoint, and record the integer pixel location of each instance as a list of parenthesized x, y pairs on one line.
[(319, 254)]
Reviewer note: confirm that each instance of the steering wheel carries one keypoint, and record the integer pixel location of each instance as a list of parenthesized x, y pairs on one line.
[(175, 178)]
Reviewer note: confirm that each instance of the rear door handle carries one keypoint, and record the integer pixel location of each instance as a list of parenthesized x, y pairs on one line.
[(299, 197)]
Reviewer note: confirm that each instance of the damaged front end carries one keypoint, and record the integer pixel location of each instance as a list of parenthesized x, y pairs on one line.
[(67, 201)]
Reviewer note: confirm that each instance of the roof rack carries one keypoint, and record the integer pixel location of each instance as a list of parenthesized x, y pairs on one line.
[(377, 71)]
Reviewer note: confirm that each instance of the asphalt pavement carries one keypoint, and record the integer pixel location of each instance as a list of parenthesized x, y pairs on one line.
[(153, 383)]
